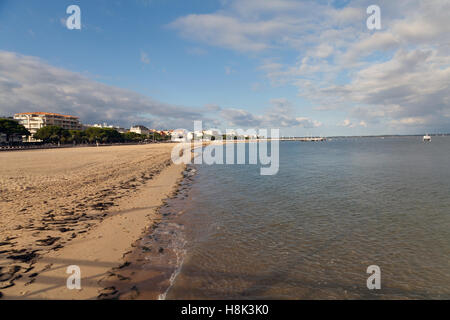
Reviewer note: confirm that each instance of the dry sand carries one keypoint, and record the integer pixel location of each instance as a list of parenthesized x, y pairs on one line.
[(76, 206)]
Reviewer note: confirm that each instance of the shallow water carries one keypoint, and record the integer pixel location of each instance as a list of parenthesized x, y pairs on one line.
[(311, 231)]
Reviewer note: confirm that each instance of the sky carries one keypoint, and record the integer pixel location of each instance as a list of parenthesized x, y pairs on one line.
[(305, 67)]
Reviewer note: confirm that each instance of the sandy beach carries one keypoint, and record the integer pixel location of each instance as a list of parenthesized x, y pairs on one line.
[(76, 206)]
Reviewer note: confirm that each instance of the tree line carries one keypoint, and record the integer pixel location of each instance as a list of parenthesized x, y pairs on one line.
[(56, 134), (12, 128)]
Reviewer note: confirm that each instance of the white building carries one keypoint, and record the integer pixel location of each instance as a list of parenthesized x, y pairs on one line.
[(179, 135), (196, 135), (140, 130), (205, 135), (104, 125), (33, 121)]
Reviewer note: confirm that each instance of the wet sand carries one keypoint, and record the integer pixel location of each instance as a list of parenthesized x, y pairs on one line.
[(151, 268), (77, 206)]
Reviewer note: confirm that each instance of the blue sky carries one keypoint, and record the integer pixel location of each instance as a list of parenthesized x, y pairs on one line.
[(307, 67)]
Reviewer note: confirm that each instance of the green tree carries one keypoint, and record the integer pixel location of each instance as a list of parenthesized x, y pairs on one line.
[(113, 135), (132, 137), (10, 127), (52, 134), (94, 134), (77, 136), (159, 137)]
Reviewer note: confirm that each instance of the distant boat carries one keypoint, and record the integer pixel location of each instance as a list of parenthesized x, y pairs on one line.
[(427, 138)]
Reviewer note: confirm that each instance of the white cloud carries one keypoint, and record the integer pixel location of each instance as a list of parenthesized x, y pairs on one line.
[(144, 57), (63, 22), (399, 75), (280, 115), (407, 88), (196, 51), (323, 50), (254, 26), (212, 107), (223, 31), (366, 46), (349, 124), (410, 121), (228, 70), (29, 84)]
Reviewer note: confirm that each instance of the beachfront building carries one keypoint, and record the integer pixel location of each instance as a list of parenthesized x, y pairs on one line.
[(204, 135), (196, 135), (165, 132), (33, 121), (179, 135), (212, 134), (140, 129), (120, 129), (105, 125), (235, 135)]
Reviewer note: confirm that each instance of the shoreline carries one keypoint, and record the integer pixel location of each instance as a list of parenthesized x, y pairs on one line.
[(109, 228), (151, 268), (6, 148)]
